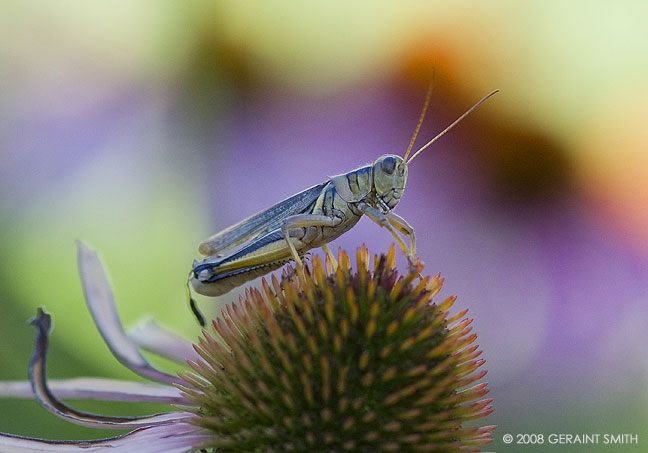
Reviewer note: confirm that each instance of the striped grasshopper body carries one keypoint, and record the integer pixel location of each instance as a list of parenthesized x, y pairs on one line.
[(312, 218), (309, 219)]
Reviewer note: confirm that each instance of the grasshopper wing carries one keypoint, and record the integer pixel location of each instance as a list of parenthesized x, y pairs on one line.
[(263, 222)]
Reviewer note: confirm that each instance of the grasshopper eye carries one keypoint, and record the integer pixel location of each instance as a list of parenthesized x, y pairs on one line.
[(388, 165)]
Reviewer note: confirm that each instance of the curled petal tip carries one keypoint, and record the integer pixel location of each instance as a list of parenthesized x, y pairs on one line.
[(42, 320)]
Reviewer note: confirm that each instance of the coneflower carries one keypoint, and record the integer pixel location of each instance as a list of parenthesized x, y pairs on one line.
[(340, 361), (343, 361)]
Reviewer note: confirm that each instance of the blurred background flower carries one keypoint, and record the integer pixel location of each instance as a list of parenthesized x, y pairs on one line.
[(144, 127)]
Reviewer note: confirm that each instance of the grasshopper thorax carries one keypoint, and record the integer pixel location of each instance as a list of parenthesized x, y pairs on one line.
[(389, 178)]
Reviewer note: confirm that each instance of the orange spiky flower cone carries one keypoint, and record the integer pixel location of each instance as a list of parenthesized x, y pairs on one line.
[(346, 360)]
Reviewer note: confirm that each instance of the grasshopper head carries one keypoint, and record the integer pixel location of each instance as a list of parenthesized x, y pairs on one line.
[(389, 178)]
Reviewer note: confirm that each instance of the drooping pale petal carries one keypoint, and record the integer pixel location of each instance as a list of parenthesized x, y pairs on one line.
[(98, 389), (101, 303), (37, 377), (176, 438), (149, 335)]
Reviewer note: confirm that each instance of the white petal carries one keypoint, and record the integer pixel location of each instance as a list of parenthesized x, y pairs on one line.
[(98, 389), (158, 439), (101, 303), (38, 378), (151, 336)]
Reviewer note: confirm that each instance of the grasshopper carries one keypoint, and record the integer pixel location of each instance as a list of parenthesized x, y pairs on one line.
[(312, 218)]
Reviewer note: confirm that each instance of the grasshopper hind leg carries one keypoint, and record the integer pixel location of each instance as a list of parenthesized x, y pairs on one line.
[(193, 306), (196, 312)]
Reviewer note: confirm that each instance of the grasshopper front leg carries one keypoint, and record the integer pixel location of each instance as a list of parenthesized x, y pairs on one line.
[(303, 221), (401, 225), (393, 223)]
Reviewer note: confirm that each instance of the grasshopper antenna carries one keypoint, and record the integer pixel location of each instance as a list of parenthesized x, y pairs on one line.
[(421, 117), (449, 127)]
